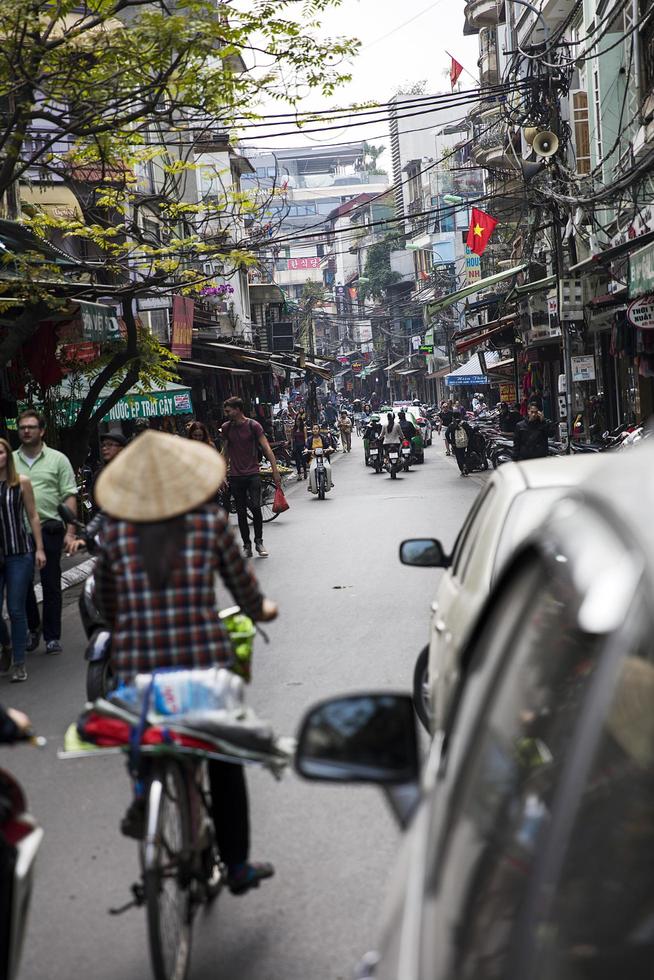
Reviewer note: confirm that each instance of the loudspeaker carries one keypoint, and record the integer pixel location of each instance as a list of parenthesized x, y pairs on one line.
[(545, 144), (530, 133)]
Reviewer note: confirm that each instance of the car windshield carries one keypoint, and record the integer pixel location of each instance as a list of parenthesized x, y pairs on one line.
[(525, 514)]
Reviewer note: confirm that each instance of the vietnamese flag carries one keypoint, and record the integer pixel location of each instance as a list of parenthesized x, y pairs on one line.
[(481, 228), (455, 71)]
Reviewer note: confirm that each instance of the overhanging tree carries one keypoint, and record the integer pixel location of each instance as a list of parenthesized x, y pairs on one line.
[(100, 96)]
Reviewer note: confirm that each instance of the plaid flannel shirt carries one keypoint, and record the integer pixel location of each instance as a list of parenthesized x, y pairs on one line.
[(177, 626)]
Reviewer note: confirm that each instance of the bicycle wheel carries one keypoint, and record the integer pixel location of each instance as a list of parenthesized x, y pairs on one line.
[(166, 876), (267, 497)]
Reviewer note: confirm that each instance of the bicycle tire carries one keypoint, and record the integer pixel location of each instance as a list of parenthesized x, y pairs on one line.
[(165, 878), (267, 497)]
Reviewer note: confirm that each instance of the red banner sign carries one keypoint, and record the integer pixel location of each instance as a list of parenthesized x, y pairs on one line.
[(311, 262), (182, 336)]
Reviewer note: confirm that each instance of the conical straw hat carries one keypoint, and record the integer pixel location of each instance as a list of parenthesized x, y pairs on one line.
[(159, 476)]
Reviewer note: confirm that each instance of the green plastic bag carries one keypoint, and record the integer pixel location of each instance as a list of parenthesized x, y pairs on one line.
[(241, 631)]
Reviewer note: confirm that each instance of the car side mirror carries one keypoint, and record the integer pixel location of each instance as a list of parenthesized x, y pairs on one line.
[(423, 553)]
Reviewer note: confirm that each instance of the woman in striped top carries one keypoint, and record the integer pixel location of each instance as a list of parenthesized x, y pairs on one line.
[(17, 507)]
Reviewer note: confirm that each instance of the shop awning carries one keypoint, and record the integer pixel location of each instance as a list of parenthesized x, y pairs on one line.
[(501, 365), (395, 364), (215, 367), (538, 286), (444, 301), (316, 369), (490, 330), (609, 254), (442, 373), (408, 371), (471, 373), (341, 374)]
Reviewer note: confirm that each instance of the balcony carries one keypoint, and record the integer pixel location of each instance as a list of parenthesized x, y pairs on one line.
[(484, 13)]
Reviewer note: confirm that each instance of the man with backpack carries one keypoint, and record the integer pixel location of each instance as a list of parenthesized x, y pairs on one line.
[(458, 437), (243, 443)]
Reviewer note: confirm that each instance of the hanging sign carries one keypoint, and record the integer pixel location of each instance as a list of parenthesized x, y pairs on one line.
[(507, 392), (583, 367), (182, 338), (641, 313), (641, 271)]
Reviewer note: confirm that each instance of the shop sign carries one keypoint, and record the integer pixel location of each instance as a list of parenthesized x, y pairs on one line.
[(641, 313), (98, 322), (357, 367), (426, 348), (182, 338), (310, 262), (153, 405), (583, 367), (641, 271), (507, 392), (473, 267)]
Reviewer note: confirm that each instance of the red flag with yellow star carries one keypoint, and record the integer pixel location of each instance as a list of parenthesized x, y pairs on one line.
[(481, 228)]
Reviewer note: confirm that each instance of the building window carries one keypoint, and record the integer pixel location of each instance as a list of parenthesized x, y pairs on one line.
[(582, 131)]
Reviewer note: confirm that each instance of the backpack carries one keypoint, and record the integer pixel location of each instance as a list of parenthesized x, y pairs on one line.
[(258, 451), (460, 437)]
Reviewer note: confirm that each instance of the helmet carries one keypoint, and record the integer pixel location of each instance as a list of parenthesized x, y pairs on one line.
[(374, 418)]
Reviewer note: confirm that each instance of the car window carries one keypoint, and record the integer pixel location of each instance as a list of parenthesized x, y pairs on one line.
[(600, 922), (470, 531), (525, 514), (502, 797)]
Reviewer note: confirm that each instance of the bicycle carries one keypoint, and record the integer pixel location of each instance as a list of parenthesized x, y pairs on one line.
[(180, 867), (267, 497)]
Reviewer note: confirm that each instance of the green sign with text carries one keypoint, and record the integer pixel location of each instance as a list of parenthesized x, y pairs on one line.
[(641, 272)]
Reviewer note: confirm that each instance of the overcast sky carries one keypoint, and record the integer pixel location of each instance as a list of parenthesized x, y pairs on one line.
[(401, 43)]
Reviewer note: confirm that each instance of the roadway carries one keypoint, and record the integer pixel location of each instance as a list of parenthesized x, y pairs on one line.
[(351, 618)]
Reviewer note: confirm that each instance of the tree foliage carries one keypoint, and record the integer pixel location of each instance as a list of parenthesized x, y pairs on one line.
[(378, 270), (120, 101)]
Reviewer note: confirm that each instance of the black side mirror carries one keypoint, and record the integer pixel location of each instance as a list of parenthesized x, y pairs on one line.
[(369, 738), (423, 553)]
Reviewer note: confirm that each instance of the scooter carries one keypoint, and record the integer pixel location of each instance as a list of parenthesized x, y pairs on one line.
[(392, 462), (406, 455), (20, 839), (99, 675), (322, 487), (375, 457)]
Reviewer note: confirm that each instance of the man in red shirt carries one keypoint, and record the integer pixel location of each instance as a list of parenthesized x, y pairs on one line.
[(243, 440)]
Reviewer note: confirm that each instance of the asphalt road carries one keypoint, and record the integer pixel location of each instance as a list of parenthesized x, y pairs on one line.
[(351, 618)]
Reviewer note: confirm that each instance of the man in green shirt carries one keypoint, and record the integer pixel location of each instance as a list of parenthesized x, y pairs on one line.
[(53, 481)]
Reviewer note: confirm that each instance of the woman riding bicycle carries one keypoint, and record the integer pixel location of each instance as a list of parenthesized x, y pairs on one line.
[(163, 543)]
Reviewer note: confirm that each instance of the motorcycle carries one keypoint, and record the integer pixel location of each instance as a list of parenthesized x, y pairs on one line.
[(375, 457), (20, 839), (322, 480), (99, 675), (392, 461), (406, 454)]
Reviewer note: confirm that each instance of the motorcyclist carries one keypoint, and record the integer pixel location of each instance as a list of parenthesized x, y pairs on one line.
[(391, 433), (319, 440), (371, 435), (408, 428)]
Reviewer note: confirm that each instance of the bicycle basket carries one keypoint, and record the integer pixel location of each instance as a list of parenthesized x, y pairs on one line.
[(241, 631)]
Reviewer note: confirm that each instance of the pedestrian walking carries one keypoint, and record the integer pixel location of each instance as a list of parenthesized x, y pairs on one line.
[(531, 435), (298, 440), (53, 482), (243, 441), (446, 416), (19, 549), (458, 437), (155, 583), (199, 432), (345, 429), (111, 443)]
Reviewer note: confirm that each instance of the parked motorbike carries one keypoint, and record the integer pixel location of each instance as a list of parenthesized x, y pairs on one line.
[(99, 675), (20, 839)]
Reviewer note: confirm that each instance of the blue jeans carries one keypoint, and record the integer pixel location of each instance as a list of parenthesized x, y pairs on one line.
[(16, 576)]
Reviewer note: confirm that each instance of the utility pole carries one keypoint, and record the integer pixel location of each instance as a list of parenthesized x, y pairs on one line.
[(559, 272)]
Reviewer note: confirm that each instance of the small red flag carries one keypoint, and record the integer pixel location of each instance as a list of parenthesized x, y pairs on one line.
[(481, 228), (455, 71)]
